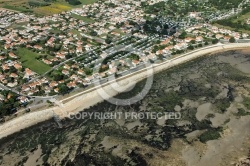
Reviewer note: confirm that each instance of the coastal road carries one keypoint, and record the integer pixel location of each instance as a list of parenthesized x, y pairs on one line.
[(90, 99), (136, 70)]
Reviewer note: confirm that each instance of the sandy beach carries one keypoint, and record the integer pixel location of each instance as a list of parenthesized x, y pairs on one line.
[(91, 97)]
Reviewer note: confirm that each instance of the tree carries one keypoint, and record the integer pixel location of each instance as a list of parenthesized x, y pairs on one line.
[(215, 41), (88, 71), (84, 39), (174, 42), (58, 76), (68, 56), (183, 35), (193, 41), (57, 47), (63, 89), (108, 40), (232, 40), (158, 42), (160, 57), (190, 47), (93, 33)]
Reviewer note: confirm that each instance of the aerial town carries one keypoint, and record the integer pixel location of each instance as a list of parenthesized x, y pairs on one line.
[(133, 83), (56, 54)]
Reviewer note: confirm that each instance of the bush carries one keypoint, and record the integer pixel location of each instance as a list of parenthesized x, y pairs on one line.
[(74, 2), (209, 135), (246, 102), (37, 4), (222, 104), (242, 112)]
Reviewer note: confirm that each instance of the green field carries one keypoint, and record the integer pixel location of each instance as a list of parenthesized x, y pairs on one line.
[(28, 59), (86, 2), (56, 6), (76, 32), (230, 28), (242, 18), (55, 30), (237, 22), (119, 31), (17, 8), (85, 19)]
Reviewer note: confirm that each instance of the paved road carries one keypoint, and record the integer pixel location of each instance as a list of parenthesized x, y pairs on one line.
[(140, 68), (39, 116), (9, 89), (104, 80)]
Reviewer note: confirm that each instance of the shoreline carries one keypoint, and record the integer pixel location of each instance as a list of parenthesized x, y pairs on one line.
[(90, 97)]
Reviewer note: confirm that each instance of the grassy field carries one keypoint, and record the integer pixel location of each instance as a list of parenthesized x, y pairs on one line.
[(17, 8), (119, 31), (237, 22), (86, 2), (243, 17), (56, 7), (28, 59), (19, 26), (74, 31), (13, 5), (85, 19), (52, 9), (55, 30), (230, 28)]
